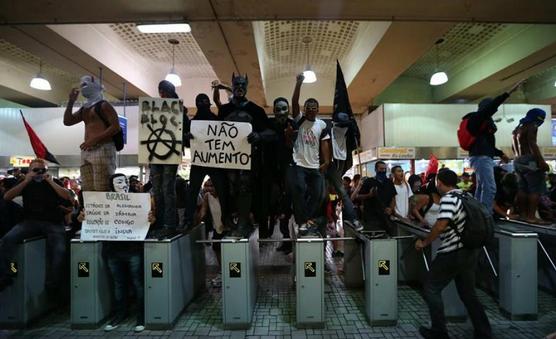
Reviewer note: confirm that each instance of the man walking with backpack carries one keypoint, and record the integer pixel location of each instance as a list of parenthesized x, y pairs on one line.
[(476, 135), (463, 226)]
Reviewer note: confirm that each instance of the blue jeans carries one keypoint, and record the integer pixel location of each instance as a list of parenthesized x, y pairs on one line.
[(486, 186), (307, 192), (123, 264), (458, 266), (163, 179), (55, 248), (334, 178)]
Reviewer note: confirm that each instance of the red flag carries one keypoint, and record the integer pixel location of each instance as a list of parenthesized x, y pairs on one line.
[(38, 147), (433, 166)]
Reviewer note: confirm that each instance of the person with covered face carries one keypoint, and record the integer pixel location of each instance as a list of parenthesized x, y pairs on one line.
[(98, 151), (311, 158), (483, 150), (241, 183), (197, 173), (125, 263), (163, 178), (41, 216), (278, 157), (529, 165)]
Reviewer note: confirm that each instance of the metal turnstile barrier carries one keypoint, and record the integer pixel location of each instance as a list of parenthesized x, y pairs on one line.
[(26, 299), (518, 292), (309, 282), (239, 281), (353, 264), (381, 281), (91, 297), (453, 306), (174, 275)]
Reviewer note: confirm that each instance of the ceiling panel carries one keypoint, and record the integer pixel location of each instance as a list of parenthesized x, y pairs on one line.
[(189, 58)]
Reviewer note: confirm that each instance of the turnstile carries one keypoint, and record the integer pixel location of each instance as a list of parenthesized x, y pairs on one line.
[(239, 281), (26, 299), (174, 275), (353, 265), (381, 281), (517, 274), (309, 278), (91, 297), (454, 309)]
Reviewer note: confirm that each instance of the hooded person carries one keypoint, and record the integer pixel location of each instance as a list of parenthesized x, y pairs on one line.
[(98, 151), (529, 165), (197, 173), (483, 150), (241, 183)]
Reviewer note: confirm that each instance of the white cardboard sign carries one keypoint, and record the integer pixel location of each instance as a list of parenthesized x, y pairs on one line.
[(221, 144), (115, 216), (160, 131)]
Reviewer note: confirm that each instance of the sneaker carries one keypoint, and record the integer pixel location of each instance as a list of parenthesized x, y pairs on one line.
[(427, 333), (357, 225), (110, 327), (216, 282), (314, 231), (139, 328), (303, 229)]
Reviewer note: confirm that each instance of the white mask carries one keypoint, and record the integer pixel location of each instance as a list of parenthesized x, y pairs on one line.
[(281, 108), (91, 90), (120, 184)]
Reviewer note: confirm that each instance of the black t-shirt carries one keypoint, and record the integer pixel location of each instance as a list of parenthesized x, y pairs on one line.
[(255, 115), (385, 193), (40, 202), (278, 155)]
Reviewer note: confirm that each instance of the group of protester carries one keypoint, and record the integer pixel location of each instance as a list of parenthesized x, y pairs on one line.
[(297, 168)]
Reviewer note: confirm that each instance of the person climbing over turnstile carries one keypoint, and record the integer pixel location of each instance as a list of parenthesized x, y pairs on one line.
[(125, 262), (453, 261), (311, 158)]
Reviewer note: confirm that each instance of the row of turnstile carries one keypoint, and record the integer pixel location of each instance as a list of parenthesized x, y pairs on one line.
[(175, 274)]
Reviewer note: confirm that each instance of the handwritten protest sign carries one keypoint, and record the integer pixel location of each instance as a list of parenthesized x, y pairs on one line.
[(220, 144), (115, 216), (160, 131)]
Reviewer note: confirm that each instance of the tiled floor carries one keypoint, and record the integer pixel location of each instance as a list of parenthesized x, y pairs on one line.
[(275, 312)]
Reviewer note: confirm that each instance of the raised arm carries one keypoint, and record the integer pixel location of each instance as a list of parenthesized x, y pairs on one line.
[(295, 97), (71, 118)]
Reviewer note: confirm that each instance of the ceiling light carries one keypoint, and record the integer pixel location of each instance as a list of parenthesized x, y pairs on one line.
[(172, 76), (164, 28), (39, 81), (439, 77), (308, 73)]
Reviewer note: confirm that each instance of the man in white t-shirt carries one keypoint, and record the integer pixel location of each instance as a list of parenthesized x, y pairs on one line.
[(305, 176), (403, 192)]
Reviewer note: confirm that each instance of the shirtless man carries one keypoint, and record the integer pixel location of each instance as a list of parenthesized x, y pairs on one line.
[(98, 152), (529, 165)]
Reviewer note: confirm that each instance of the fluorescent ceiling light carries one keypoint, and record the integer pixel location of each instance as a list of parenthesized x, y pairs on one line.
[(40, 83), (164, 28), (439, 78), (174, 78)]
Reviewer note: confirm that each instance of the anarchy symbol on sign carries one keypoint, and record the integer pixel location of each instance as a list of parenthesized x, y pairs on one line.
[(156, 137)]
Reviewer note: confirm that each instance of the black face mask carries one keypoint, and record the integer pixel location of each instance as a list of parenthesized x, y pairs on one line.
[(381, 176)]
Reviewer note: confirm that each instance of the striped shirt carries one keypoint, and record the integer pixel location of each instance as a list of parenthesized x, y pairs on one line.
[(451, 208)]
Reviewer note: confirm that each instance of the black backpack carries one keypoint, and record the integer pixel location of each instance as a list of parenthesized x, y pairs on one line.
[(478, 229), (118, 138)]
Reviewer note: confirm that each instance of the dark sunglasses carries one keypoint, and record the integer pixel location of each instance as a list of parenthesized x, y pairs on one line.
[(39, 170)]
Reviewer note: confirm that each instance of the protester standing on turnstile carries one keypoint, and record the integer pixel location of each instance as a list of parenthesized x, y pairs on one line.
[(125, 262), (453, 262), (41, 198)]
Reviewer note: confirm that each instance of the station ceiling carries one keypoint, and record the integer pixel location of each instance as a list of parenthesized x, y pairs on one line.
[(387, 49)]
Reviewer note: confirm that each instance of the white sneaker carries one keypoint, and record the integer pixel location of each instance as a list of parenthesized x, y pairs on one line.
[(139, 328), (110, 327), (357, 225)]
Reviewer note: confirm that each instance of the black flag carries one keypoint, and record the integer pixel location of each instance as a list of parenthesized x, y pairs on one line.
[(342, 105)]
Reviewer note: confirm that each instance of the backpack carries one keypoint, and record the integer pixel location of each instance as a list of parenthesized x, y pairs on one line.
[(478, 229), (118, 138), (466, 138)]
